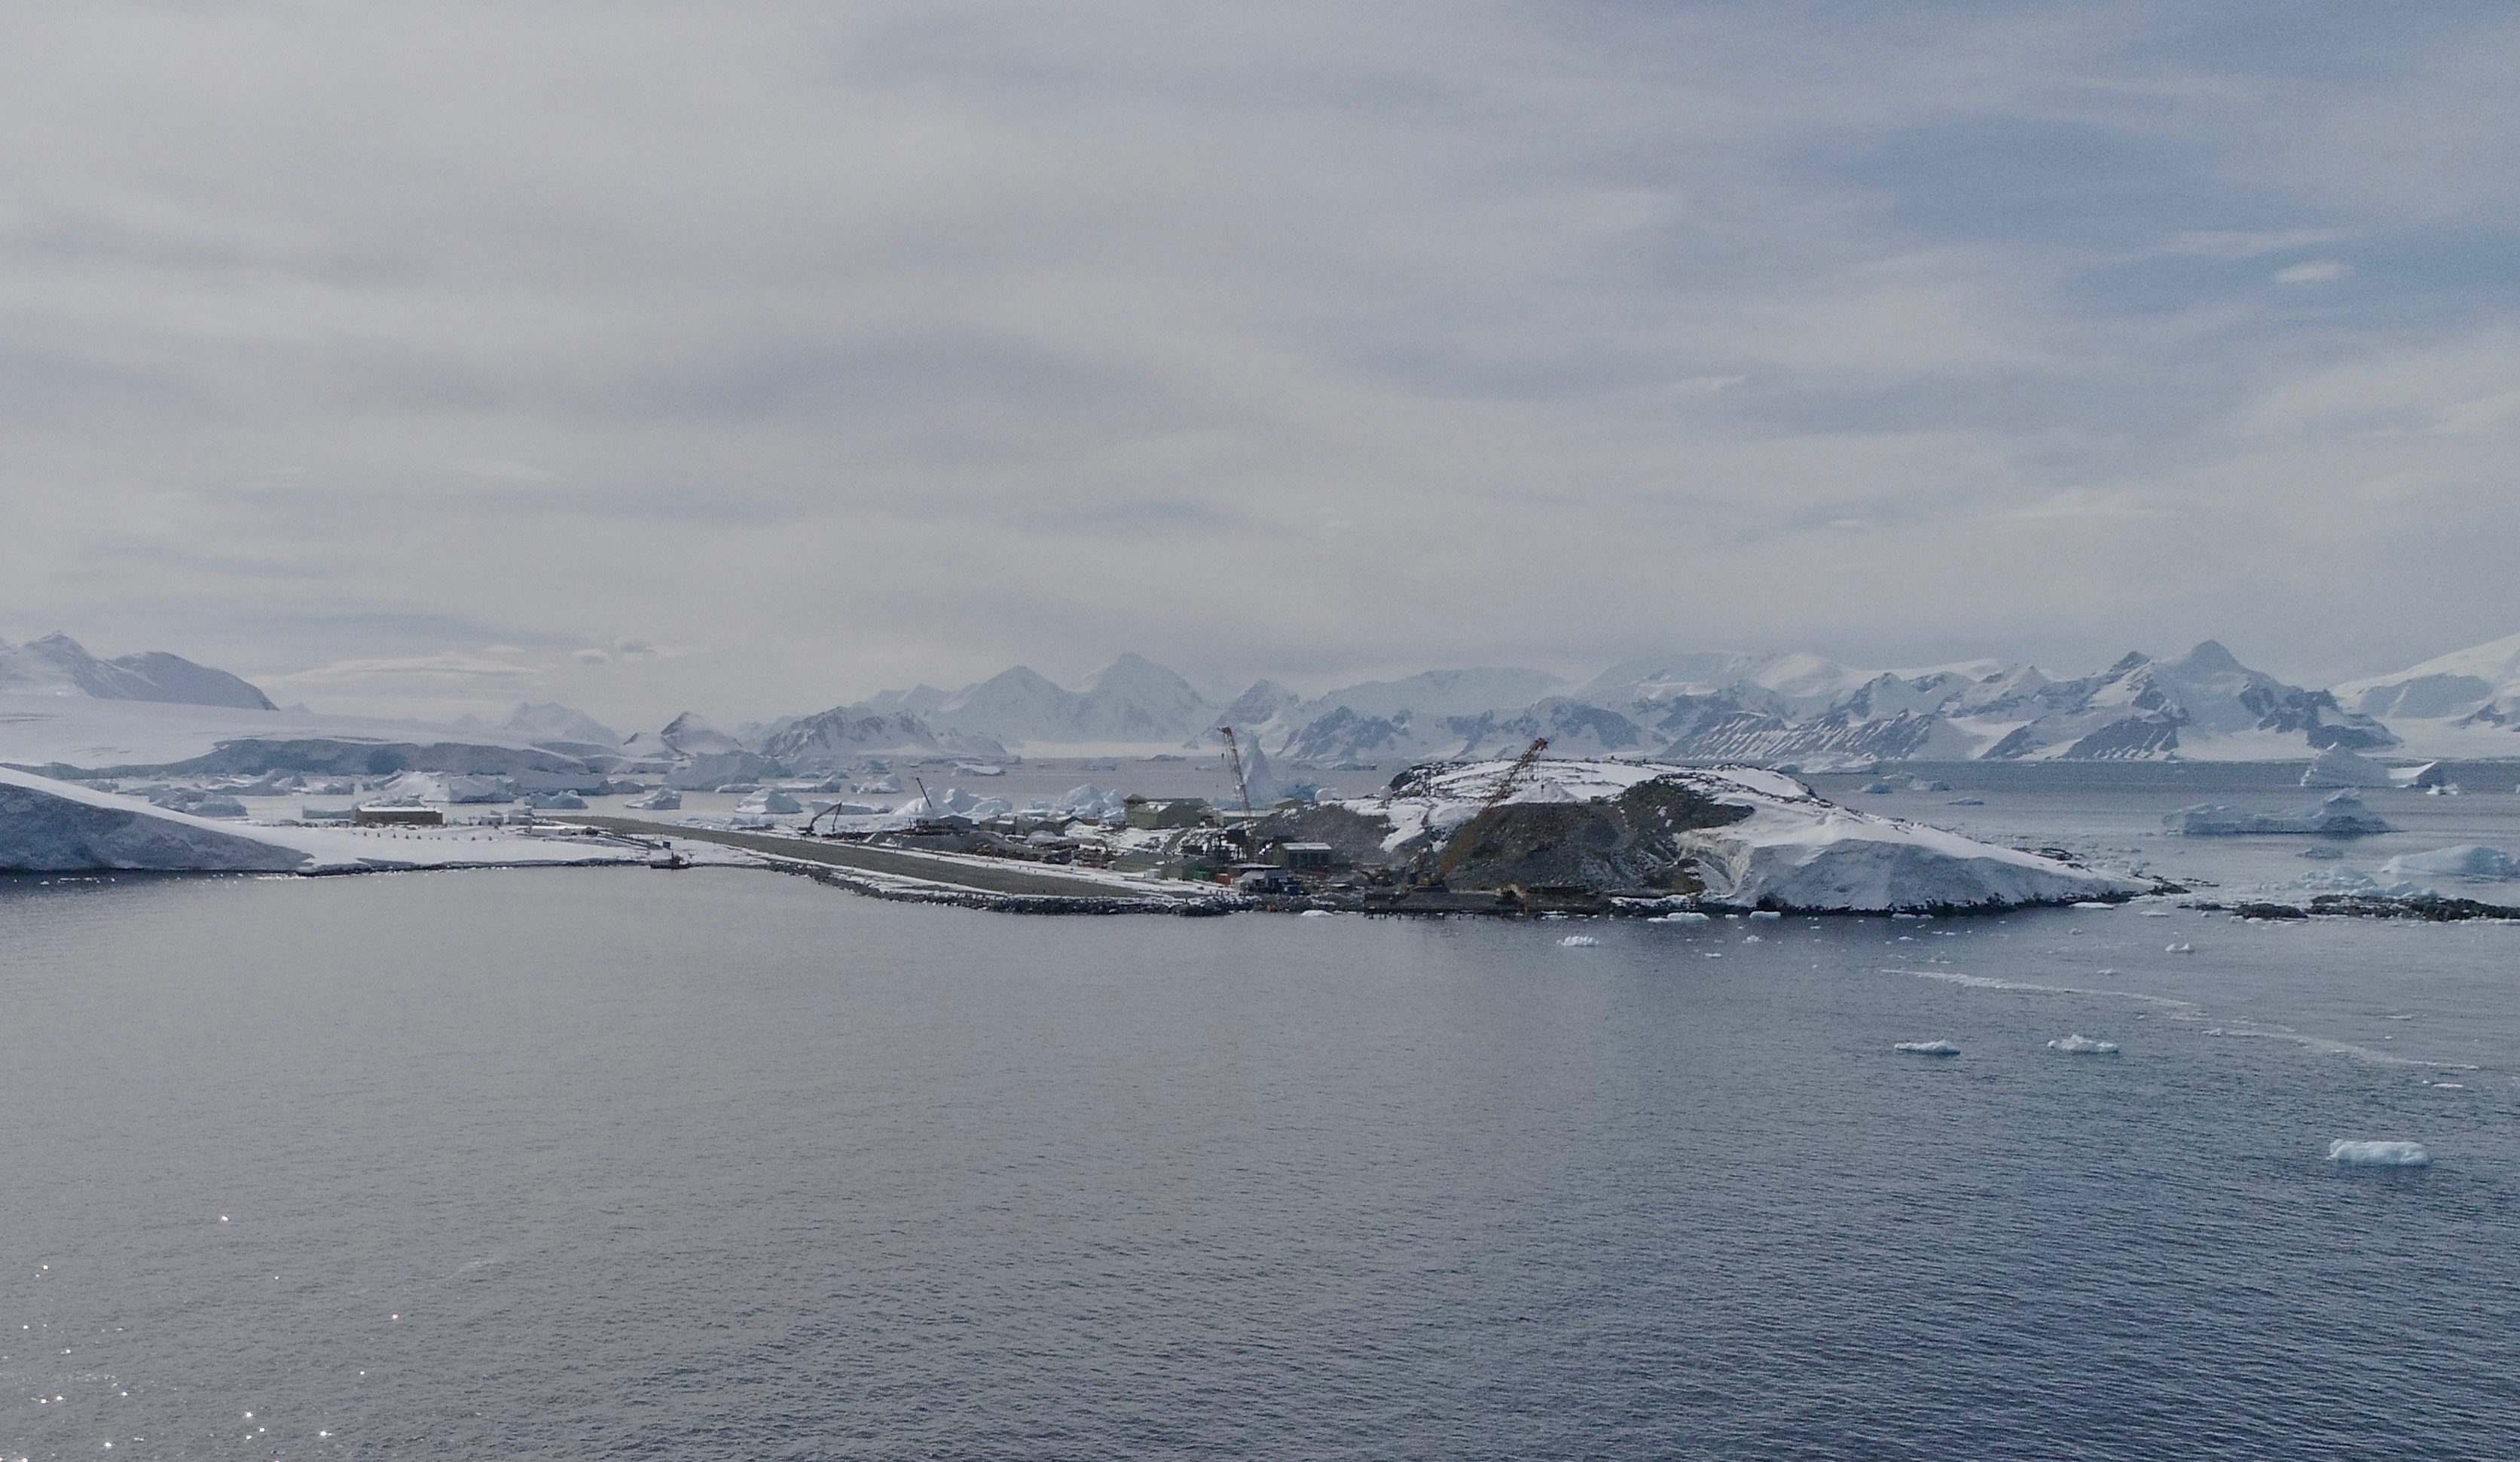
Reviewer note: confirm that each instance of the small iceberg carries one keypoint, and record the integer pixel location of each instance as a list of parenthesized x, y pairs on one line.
[(2470, 860), (2337, 767), (2349, 1154), (2079, 1044), (662, 800), (2341, 816), (1579, 942), (2179, 948), (1927, 1047), (1320, 914), (1683, 916)]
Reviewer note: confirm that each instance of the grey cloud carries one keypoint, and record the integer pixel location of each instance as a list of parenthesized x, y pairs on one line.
[(846, 334)]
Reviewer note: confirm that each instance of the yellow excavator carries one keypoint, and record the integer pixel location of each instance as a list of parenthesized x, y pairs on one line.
[(1463, 837)]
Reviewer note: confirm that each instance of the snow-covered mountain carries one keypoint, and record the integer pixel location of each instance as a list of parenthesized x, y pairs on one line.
[(2203, 702), (1439, 692), (2464, 703), (550, 720), (839, 738), (58, 665), (1131, 702), (1786, 683), (1814, 712)]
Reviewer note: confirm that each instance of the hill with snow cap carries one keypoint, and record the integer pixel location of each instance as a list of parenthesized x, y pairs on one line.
[(1741, 837), (58, 665)]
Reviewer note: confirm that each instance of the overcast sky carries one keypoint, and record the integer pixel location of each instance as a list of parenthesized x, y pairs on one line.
[(756, 357)]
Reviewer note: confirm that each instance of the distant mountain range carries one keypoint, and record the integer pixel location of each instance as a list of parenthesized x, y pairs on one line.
[(1794, 709), (1799, 709)]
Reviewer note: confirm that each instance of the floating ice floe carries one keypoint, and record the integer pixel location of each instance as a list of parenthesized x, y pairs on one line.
[(1579, 942), (2179, 948), (2079, 1044), (2351, 1154), (1682, 917), (1927, 1047)]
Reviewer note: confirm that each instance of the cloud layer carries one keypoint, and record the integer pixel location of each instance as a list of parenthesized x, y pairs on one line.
[(835, 346)]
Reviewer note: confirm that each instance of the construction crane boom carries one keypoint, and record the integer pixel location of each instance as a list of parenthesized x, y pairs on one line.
[(1460, 846), (1241, 785)]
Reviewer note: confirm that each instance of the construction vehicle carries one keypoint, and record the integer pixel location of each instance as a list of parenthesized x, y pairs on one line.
[(1463, 837)]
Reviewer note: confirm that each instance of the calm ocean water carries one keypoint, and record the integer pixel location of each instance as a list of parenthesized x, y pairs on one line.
[(724, 1164)]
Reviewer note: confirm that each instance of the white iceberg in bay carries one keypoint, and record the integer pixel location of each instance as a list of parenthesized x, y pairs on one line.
[(2346, 1153), (2080, 1045), (2470, 860)]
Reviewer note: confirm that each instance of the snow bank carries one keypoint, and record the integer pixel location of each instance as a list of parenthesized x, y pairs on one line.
[(49, 826), (2350, 1154)]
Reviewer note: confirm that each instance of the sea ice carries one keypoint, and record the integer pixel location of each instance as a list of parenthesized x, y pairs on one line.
[(2079, 1044), (2351, 1154), (1928, 1047)]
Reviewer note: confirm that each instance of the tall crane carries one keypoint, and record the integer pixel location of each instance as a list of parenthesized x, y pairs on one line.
[(1234, 759), (1242, 785), (1460, 846)]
